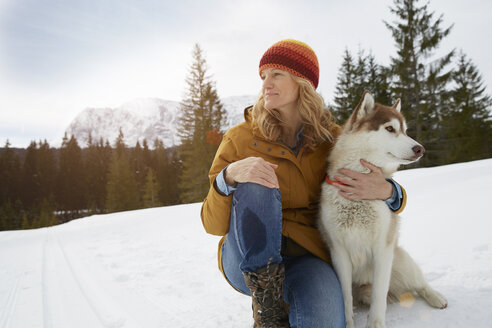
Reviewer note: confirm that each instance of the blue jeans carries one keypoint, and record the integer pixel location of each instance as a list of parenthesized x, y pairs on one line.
[(311, 287)]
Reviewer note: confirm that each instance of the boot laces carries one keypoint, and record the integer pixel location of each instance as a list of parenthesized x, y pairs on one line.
[(269, 293)]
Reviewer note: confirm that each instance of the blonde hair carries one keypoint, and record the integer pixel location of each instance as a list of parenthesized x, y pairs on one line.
[(316, 118)]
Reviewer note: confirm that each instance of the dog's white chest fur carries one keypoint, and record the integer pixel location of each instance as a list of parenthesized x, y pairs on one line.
[(356, 226)]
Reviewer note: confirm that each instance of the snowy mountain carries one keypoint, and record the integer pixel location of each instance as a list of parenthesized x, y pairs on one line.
[(143, 118), (157, 267)]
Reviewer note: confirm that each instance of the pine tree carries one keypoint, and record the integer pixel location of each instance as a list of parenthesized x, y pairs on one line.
[(146, 154), (122, 190), (468, 124), (166, 164), (345, 101), (97, 158), (10, 215), (46, 216), (175, 171), (160, 165), (360, 76), (30, 189), (25, 222), (151, 190), (138, 165), (47, 170), (6, 216), (417, 79), (436, 104), (201, 114), (377, 81), (10, 174), (354, 78), (70, 185)]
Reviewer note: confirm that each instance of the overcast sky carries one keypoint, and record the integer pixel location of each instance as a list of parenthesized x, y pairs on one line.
[(59, 56)]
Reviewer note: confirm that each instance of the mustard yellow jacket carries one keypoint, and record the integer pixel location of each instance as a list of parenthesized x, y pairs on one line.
[(300, 178)]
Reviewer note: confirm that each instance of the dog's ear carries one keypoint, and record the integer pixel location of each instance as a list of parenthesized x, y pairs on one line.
[(397, 105), (365, 106)]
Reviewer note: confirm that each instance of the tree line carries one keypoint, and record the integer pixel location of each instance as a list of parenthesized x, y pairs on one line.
[(52, 186), (443, 98)]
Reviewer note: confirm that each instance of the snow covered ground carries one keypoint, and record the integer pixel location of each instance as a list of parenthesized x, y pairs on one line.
[(157, 267)]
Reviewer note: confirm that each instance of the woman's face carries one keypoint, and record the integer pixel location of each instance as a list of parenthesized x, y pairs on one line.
[(280, 91)]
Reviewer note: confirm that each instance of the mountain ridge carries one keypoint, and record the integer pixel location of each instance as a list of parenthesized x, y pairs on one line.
[(147, 118)]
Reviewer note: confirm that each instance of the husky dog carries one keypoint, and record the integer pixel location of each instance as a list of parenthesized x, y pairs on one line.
[(363, 235)]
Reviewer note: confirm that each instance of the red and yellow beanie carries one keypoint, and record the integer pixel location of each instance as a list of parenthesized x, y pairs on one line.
[(292, 56)]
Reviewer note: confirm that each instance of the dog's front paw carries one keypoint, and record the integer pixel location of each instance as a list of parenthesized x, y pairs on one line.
[(350, 324)]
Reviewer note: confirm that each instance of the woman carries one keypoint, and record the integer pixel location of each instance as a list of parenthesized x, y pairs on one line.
[(265, 182)]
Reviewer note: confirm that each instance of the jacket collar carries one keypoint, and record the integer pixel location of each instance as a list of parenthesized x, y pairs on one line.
[(262, 145)]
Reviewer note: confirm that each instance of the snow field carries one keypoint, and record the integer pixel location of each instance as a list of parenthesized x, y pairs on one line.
[(158, 268)]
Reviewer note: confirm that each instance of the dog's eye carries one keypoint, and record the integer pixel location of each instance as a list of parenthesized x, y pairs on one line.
[(390, 129)]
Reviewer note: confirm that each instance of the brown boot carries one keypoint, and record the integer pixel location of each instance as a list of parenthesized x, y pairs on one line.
[(266, 286)]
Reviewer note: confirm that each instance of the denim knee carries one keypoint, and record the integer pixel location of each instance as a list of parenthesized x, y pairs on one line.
[(256, 192)]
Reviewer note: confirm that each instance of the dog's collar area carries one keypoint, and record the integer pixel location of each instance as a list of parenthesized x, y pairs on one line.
[(332, 182)]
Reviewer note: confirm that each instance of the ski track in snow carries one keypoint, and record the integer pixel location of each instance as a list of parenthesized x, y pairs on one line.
[(9, 305), (47, 320), (64, 274), (157, 267)]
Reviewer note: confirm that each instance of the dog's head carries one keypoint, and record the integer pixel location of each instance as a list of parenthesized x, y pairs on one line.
[(382, 129)]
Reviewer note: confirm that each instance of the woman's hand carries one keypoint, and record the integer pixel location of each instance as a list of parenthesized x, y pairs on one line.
[(359, 186), (252, 169)]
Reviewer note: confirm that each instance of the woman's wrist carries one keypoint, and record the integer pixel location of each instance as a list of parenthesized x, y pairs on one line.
[(228, 178), (388, 191)]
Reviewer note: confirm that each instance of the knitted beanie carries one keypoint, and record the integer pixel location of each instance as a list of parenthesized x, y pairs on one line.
[(294, 57)]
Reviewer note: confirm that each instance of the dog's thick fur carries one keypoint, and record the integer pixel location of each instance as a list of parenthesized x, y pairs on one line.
[(363, 235)]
